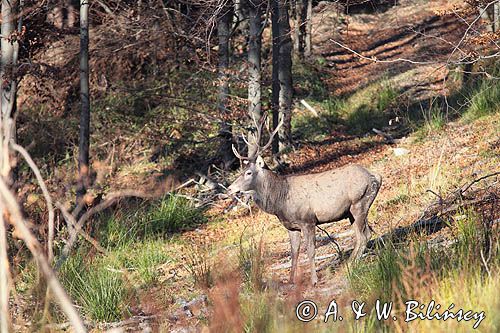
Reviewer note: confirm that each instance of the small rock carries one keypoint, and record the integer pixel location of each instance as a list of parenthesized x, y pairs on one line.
[(145, 327), (400, 151)]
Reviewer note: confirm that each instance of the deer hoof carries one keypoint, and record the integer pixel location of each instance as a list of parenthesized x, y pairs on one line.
[(314, 281)]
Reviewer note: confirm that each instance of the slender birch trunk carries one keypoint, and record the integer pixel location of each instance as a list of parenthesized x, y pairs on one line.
[(84, 139), (275, 85), (285, 76), (254, 71)]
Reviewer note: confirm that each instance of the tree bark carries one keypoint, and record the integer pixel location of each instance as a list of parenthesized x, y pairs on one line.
[(496, 17), (485, 16), (275, 86), (8, 86), (240, 13), (285, 76), (307, 27), (296, 10), (223, 32), (254, 72), (84, 140)]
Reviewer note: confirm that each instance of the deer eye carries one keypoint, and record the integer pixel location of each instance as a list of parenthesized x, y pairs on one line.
[(248, 173)]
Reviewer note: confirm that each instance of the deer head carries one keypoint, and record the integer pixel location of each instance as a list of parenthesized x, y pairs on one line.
[(247, 181)]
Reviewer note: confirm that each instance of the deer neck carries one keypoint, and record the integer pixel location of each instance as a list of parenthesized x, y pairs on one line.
[(271, 192)]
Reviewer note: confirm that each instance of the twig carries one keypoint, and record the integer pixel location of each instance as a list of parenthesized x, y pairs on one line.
[(19, 223), (374, 59), (70, 220), (46, 194), (485, 263), (332, 239), (4, 274), (437, 195), (111, 199), (478, 180)]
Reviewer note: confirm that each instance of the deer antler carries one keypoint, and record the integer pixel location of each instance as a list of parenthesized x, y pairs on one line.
[(235, 152), (260, 149), (271, 137)]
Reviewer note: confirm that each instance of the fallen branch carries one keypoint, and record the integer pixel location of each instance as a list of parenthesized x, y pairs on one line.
[(111, 199), (309, 107), (462, 191), (386, 136)]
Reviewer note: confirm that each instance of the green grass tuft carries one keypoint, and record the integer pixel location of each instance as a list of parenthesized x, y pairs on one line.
[(169, 215), (484, 100), (97, 288)]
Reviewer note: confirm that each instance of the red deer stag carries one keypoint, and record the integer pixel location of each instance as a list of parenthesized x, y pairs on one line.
[(304, 201)]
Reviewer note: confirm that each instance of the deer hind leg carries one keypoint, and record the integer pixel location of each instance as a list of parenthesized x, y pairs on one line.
[(310, 237), (359, 213), (361, 229), (295, 247)]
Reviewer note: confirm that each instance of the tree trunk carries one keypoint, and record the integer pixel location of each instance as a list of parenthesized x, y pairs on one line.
[(295, 12), (254, 72), (285, 76), (8, 91), (275, 86), (84, 140), (240, 13), (485, 16), (496, 16), (223, 32), (8, 86), (307, 27)]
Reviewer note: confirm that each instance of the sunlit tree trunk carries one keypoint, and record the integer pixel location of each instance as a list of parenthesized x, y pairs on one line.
[(8, 91), (485, 16), (275, 85), (496, 15), (8, 86), (254, 71), (307, 27), (295, 13), (84, 139), (285, 75)]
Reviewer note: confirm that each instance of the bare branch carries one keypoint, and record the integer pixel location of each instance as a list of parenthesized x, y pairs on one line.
[(110, 200), (4, 276), (374, 59), (71, 221), (46, 194), (19, 223)]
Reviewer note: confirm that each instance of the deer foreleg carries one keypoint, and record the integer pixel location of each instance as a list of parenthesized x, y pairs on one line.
[(295, 247), (310, 237)]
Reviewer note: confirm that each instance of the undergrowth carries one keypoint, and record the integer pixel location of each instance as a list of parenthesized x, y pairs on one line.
[(104, 284)]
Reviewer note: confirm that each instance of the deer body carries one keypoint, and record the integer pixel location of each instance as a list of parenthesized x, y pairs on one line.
[(304, 201)]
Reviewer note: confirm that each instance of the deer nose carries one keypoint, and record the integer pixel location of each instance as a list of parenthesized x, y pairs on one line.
[(231, 190)]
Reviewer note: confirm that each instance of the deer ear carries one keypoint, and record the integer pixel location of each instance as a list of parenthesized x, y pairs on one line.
[(260, 162)]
